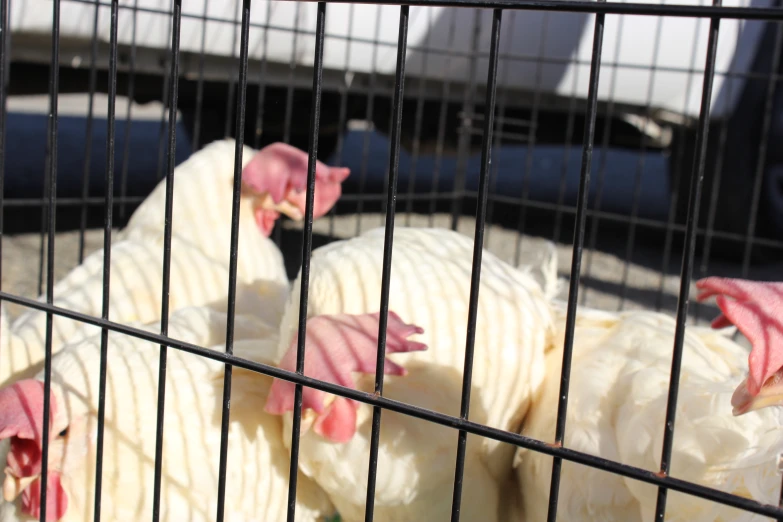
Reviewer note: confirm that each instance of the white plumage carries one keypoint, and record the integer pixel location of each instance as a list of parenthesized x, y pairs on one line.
[(199, 261), (430, 285), (203, 199), (617, 406), (257, 481)]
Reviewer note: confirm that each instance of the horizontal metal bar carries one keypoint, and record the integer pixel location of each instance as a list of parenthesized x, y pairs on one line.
[(632, 472), (690, 11), (521, 57), (378, 197), (620, 218), (68, 202)]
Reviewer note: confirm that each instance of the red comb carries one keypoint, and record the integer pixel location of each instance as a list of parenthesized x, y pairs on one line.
[(280, 170), (338, 345), (755, 308), (21, 419)]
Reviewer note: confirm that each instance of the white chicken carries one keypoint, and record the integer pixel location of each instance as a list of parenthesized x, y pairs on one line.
[(273, 181), (257, 466), (199, 248), (430, 285), (135, 296), (617, 407)]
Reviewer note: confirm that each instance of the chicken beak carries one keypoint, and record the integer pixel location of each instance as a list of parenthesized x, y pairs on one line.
[(264, 201), (284, 207), (13, 485), (771, 394)]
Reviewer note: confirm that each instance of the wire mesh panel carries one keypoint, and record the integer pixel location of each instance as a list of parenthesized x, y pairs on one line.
[(462, 119)]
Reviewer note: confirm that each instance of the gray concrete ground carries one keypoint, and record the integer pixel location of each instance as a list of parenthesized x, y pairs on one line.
[(601, 286)]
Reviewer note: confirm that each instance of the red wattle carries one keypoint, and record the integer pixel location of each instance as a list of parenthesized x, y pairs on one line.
[(56, 499)]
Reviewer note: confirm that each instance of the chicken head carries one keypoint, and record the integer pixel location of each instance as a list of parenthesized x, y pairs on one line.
[(755, 308), (21, 420), (278, 173), (335, 346)]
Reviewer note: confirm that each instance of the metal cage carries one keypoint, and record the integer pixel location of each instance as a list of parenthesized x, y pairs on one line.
[(482, 100)]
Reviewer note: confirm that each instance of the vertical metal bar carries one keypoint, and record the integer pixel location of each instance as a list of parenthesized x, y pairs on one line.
[(697, 176), (200, 83), (368, 114), (164, 313), (289, 100), (88, 132), (499, 135), (166, 89), (569, 136), (667, 246), (128, 120), (602, 165), (478, 244), (468, 108), (717, 174), (232, 267), (106, 255), (633, 221), (259, 130), (576, 258), (231, 82), (418, 118), (307, 247), (388, 241), (54, 86), (4, 39), (343, 112), (532, 140), (443, 113), (762, 154), (289, 103)]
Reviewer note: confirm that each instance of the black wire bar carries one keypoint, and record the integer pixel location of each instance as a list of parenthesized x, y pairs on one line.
[(632, 472), (388, 241), (289, 97), (449, 52), (368, 118), (164, 313), (713, 208), (532, 141), (567, 139), (88, 130), (697, 176), (307, 248), (232, 267), (417, 121), (4, 40), (51, 189), (633, 220), (441, 137), (576, 258), (259, 126), (231, 87), (466, 123), (762, 151), (342, 111), (200, 82), (500, 134), (677, 174), (167, 79), (128, 121), (602, 165), (478, 249), (106, 256), (596, 8)]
